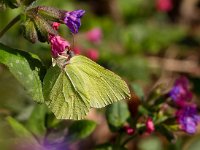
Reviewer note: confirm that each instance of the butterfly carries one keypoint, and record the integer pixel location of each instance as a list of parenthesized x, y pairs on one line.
[(70, 92)]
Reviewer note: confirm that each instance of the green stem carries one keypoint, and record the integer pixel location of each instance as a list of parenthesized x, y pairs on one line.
[(128, 139), (117, 142), (9, 25)]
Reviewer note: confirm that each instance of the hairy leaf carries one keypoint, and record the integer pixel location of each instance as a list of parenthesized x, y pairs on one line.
[(26, 67)]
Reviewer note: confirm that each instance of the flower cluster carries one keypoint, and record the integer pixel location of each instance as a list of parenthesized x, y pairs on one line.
[(186, 114), (60, 46), (180, 92), (188, 118)]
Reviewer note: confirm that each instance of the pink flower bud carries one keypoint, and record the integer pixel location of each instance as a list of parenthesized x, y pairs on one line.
[(94, 35), (56, 25), (149, 125), (93, 54), (164, 5), (129, 130)]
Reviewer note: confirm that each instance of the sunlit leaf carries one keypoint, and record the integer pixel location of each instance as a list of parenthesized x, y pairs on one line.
[(117, 114), (26, 67), (36, 122), (22, 133), (82, 84), (81, 129)]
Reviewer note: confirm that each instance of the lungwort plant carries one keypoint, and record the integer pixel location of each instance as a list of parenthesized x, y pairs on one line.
[(74, 83)]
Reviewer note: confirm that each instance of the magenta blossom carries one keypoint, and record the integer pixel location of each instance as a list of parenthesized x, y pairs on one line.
[(93, 54), (58, 45), (164, 5), (73, 20), (129, 130), (94, 35), (149, 125), (56, 25), (188, 118), (180, 92)]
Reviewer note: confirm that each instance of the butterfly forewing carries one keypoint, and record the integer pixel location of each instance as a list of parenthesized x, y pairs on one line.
[(103, 86)]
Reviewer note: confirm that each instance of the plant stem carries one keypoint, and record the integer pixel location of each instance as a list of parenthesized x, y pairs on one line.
[(9, 25), (128, 139)]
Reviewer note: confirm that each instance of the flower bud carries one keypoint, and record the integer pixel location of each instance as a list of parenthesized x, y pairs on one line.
[(49, 13), (149, 126), (29, 31), (43, 28)]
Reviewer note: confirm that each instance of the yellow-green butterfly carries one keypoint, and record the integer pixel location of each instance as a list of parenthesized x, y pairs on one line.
[(70, 92)]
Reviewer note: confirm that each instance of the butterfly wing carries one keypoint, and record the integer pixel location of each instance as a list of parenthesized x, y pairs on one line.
[(62, 95), (103, 86)]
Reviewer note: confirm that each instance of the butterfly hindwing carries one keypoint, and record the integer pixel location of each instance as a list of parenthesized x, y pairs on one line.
[(62, 96)]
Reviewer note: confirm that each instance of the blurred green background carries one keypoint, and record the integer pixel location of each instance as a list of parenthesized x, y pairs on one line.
[(141, 42)]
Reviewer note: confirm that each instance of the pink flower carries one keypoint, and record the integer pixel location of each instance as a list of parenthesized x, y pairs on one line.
[(58, 45), (56, 25), (149, 125), (94, 35), (129, 130), (93, 54), (77, 50), (164, 5)]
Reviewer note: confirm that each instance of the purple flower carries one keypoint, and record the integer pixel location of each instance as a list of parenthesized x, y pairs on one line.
[(73, 20), (58, 45), (188, 118), (180, 92)]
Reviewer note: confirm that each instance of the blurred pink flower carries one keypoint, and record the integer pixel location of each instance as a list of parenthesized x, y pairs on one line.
[(94, 35), (92, 54), (77, 50), (129, 130), (149, 125), (164, 5)]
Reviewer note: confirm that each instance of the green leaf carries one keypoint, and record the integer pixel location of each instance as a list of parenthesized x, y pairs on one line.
[(106, 146), (26, 67), (21, 132), (117, 114), (81, 129), (36, 122), (82, 84), (138, 90), (18, 128), (166, 132)]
